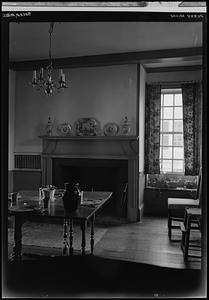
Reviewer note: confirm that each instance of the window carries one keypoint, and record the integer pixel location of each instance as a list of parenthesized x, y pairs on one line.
[(171, 132)]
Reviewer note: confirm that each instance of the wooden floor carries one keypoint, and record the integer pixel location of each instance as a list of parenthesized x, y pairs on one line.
[(141, 242), (146, 242), (130, 260)]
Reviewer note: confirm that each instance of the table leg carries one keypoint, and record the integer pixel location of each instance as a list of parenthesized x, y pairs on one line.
[(17, 249), (92, 234), (65, 251), (83, 243), (71, 237)]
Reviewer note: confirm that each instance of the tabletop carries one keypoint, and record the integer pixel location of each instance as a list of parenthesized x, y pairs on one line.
[(92, 201)]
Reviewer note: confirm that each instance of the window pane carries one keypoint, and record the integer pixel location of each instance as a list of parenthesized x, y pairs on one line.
[(178, 166), (168, 100), (166, 165), (178, 139), (178, 99), (161, 112), (166, 139), (178, 153), (168, 113), (178, 114), (167, 125), (178, 126), (167, 152)]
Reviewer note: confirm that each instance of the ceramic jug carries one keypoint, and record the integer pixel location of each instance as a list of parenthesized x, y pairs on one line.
[(47, 195), (71, 197)]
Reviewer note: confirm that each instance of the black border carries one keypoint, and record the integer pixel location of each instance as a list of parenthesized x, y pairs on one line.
[(83, 16)]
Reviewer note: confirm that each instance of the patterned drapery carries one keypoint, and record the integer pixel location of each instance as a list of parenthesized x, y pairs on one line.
[(152, 129), (192, 94)]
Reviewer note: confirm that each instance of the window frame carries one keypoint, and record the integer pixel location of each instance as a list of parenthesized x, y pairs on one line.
[(173, 91)]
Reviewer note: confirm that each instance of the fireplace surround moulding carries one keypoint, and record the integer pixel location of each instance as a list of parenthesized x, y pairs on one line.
[(96, 147)]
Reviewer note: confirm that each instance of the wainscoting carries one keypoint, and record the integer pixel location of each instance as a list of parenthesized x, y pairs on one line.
[(26, 180), (156, 199)]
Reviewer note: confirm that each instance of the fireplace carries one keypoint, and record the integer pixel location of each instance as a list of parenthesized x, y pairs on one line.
[(95, 174), (98, 163)]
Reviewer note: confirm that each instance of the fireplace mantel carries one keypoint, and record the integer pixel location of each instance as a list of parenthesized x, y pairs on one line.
[(93, 138), (96, 147), (91, 146)]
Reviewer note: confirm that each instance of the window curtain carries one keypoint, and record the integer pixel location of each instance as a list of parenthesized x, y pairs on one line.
[(192, 95), (152, 129)]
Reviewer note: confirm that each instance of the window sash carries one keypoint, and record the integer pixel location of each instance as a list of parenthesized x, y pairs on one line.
[(172, 133)]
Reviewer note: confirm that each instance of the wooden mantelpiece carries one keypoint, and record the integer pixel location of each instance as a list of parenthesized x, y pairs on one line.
[(91, 138), (96, 147), (91, 147), (94, 137)]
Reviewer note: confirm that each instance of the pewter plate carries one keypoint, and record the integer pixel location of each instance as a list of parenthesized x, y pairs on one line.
[(64, 129), (111, 129)]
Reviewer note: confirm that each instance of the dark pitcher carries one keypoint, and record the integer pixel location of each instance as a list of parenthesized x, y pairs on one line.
[(71, 197)]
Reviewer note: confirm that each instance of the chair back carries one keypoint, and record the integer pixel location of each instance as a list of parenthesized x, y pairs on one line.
[(13, 198), (199, 188)]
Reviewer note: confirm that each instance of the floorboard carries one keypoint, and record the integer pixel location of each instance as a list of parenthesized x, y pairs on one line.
[(146, 242)]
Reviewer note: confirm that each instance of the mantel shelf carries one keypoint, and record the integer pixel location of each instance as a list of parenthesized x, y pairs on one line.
[(93, 138)]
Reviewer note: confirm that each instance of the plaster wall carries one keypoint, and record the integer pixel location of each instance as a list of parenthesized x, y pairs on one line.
[(106, 93)]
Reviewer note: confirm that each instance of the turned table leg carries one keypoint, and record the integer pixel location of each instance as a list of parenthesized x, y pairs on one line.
[(71, 237), (65, 251), (83, 242), (92, 234), (17, 249)]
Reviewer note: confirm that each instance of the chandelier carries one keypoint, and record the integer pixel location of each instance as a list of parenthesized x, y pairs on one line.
[(47, 83)]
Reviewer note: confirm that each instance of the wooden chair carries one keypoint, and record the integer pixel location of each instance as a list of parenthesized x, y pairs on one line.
[(192, 220), (12, 199), (177, 206)]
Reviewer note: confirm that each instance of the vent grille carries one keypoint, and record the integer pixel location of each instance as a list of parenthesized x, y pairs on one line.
[(27, 161)]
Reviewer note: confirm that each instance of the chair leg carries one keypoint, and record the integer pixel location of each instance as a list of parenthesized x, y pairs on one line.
[(183, 230), (169, 224), (187, 237)]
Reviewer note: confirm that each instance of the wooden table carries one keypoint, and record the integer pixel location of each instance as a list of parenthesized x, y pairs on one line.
[(92, 202)]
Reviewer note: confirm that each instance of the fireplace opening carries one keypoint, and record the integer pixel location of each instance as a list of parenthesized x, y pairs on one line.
[(98, 175)]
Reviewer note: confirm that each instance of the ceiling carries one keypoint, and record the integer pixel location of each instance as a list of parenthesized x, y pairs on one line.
[(30, 41)]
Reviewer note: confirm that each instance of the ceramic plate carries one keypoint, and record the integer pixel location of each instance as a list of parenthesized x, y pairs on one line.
[(111, 129), (87, 127), (64, 129)]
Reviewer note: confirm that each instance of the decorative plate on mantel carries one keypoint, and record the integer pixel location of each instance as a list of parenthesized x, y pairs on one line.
[(87, 127), (111, 129), (64, 129)]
